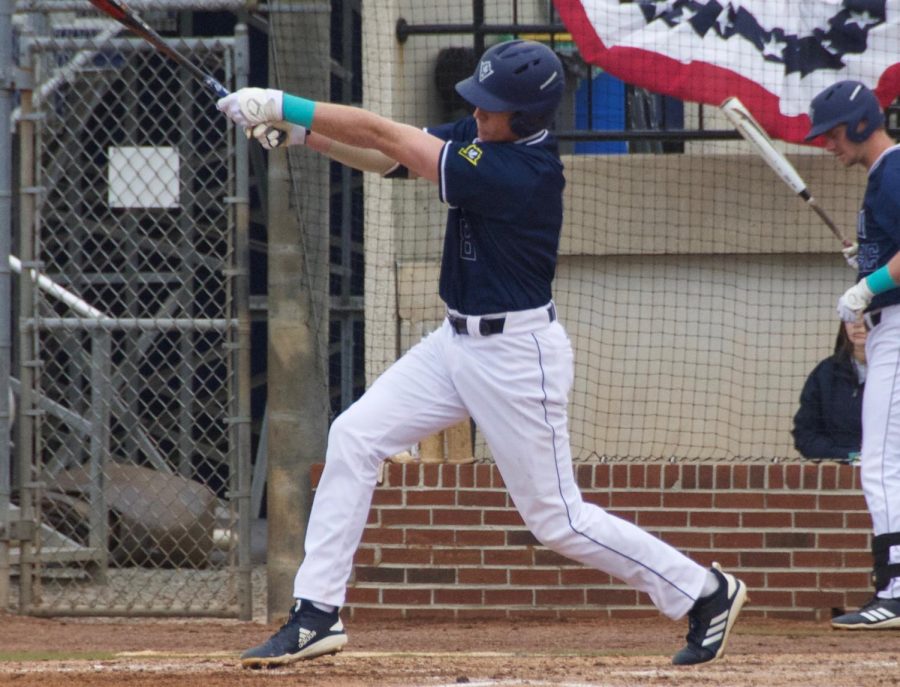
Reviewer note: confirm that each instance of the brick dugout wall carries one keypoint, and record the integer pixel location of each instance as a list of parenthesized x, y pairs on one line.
[(445, 541)]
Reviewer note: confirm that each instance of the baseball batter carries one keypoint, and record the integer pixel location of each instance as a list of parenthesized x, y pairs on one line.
[(501, 356), (849, 117)]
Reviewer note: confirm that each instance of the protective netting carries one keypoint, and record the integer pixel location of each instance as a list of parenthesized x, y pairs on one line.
[(698, 289)]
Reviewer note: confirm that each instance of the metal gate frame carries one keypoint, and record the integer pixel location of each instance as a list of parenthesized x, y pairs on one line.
[(26, 527)]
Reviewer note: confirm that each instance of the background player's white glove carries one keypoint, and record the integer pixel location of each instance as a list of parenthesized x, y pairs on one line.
[(855, 299), (850, 255), (280, 135), (248, 107)]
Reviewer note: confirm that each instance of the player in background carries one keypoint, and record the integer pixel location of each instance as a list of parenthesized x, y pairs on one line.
[(849, 117), (501, 355)]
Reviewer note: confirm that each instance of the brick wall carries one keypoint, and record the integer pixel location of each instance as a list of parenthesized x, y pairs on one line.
[(445, 541)]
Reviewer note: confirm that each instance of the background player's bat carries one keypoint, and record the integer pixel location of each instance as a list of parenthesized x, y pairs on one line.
[(123, 14), (748, 127)]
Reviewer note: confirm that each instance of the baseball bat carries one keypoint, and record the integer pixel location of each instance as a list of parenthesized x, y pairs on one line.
[(123, 14), (743, 121)]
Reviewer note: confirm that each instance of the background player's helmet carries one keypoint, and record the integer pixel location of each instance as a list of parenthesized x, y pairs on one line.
[(845, 102), (522, 77)]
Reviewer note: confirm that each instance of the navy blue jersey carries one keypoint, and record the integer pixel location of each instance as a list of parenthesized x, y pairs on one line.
[(878, 229), (504, 221)]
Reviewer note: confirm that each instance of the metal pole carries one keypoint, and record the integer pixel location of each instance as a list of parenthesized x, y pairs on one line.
[(242, 307), (6, 95), (478, 22), (346, 314), (478, 29), (101, 353), (28, 358), (137, 5)]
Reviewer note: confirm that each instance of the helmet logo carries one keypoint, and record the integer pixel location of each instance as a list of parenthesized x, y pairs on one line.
[(485, 70)]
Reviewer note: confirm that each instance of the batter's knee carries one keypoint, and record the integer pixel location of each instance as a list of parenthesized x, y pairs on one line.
[(551, 530), (345, 442), (555, 524)]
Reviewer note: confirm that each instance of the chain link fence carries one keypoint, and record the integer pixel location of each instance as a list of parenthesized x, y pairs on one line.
[(133, 450)]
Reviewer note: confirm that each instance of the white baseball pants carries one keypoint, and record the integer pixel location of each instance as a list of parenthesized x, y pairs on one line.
[(515, 386), (880, 456)]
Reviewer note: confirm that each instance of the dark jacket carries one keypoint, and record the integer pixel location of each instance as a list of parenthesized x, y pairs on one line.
[(829, 421)]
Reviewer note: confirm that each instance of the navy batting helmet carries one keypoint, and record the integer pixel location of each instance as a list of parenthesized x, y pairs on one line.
[(846, 102), (523, 77)]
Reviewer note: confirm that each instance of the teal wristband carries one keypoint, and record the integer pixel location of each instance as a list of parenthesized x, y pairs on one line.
[(298, 110), (881, 280)]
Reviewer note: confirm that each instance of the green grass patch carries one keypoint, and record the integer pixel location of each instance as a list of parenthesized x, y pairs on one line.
[(29, 656)]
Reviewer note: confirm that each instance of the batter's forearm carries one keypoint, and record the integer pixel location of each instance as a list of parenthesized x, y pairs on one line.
[(351, 126), (412, 147), (363, 159), (250, 107), (893, 267), (886, 277)]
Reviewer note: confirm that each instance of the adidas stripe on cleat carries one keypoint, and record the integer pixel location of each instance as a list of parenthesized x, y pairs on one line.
[(308, 633), (711, 619), (878, 614)]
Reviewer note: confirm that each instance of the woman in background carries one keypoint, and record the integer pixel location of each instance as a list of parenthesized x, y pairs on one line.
[(829, 421)]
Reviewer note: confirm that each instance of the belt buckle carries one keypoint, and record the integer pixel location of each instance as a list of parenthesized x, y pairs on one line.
[(492, 325)]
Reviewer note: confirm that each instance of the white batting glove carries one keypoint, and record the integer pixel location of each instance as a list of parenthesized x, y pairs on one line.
[(855, 299), (248, 107), (850, 255), (280, 135)]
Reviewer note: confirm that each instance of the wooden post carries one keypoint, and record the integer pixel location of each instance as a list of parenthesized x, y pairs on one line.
[(431, 449), (459, 443), (451, 445)]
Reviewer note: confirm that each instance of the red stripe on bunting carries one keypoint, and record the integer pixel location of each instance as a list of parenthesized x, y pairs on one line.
[(697, 81)]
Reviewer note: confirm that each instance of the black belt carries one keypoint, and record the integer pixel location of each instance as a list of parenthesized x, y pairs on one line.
[(488, 326), (872, 319)]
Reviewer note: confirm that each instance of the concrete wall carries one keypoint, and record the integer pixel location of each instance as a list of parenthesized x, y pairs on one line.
[(696, 310)]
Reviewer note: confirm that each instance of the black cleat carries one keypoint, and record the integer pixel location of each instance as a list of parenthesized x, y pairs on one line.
[(308, 633), (878, 614), (710, 621)]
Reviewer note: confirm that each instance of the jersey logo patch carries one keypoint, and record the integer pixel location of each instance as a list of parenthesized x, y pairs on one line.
[(472, 153)]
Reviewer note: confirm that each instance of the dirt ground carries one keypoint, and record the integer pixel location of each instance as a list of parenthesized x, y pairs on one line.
[(607, 653)]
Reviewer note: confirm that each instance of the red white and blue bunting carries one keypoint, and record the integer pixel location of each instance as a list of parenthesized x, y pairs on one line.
[(775, 55)]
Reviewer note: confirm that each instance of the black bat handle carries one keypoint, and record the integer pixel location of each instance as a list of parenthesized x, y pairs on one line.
[(215, 86)]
